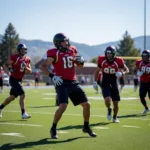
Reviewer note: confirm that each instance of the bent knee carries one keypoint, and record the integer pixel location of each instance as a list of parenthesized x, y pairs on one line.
[(63, 106), (86, 105), (12, 97)]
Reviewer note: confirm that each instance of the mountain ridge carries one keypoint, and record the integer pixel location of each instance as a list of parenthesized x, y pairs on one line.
[(39, 47)]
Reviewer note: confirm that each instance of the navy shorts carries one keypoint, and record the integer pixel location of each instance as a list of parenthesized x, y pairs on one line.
[(144, 89), (16, 87), (71, 90), (36, 80), (136, 82), (1, 82), (121, 80), (111, 90)]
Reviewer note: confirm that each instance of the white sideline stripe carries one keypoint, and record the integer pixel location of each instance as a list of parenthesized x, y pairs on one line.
[(12, 134), (20, 124), (62, 132), (127, 126), (98, 98), (76, 108), (50, 113), (122, 98)]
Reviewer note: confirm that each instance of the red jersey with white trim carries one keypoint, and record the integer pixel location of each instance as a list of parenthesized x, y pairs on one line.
[(109, 69), (19, 69), (145, 68), (64, 65)]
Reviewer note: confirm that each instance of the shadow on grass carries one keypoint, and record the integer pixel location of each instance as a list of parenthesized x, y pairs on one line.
[(133, 115), (31, 144), (81, 126), (41, 106)]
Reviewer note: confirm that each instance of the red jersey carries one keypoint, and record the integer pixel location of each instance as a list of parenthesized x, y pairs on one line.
[(19, 69), (145, 68), (64, 65), (110, 68)]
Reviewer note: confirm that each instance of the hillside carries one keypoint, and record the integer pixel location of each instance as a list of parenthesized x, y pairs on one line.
[(39, 47)]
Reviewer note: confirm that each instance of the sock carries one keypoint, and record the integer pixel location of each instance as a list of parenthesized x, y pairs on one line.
[(86, 124), (54, 125), (146, 107), (22, 110), (114, 116), (2, 106)]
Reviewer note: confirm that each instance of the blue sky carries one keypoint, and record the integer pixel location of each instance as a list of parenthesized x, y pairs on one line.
[(84, 21)]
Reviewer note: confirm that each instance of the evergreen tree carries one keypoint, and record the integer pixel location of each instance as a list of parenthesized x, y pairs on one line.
[(126, 48), (9, 42)]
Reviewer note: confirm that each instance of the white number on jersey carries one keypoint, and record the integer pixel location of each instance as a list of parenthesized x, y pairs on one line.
[(145, 69), (68, 63), (109, 70)]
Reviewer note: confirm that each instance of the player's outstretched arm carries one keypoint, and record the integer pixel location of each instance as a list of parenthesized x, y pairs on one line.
[(125, 70), (47, 62)]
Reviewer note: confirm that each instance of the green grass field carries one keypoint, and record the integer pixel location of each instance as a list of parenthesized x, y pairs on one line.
[(132, 133)]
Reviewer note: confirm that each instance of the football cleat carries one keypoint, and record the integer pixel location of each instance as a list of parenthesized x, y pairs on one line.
[(145, 111), (89, 131), (25, 116), (53, 133), (109, 114), (115, 120), (0, 113)]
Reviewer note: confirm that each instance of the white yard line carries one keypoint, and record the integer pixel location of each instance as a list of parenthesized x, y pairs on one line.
[(12, 134), (98, 98), (128, 126), (52, 113), (103, 128), (20, 124), (79, 107)]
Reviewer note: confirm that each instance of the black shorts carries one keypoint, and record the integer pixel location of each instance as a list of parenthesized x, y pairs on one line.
[(36, 80), (144, 89), (121, 80), (16, 87), (72, 91), (111, 90), (136, 82), (1, 82)]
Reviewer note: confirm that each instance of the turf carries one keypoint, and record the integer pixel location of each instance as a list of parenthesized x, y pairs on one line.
[(132, 133)]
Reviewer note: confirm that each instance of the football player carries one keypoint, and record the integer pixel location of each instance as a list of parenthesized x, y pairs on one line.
[(18, 65), (143, 71), (112, 67), (1, 79), (64, 57)]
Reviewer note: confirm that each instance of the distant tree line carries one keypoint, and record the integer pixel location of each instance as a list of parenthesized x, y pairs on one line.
[(8, 43)]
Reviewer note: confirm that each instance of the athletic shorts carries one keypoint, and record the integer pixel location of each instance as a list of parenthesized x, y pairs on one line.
[(16, 87), (144, 89), (111, 90), (71, 90)]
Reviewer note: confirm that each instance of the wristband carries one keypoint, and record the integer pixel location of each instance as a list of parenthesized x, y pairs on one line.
[(51, 75)]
